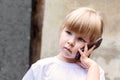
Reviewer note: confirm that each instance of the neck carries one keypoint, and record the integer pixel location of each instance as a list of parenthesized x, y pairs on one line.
[(69, 60)]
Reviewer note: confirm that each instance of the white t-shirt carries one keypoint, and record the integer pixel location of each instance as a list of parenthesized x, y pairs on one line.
[(54, 69)]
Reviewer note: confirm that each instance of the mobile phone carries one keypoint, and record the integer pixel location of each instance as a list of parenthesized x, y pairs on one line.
[(96, 43)]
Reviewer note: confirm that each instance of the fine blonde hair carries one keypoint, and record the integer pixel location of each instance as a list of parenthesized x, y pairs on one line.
[(85, 21)]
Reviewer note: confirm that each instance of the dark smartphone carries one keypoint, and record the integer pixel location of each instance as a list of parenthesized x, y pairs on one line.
[(96, 43)]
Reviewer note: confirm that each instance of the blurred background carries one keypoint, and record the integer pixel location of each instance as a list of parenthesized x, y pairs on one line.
[(30, 29)]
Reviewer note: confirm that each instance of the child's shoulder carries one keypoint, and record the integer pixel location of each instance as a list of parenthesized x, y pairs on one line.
[(101, 70), (43, 62)]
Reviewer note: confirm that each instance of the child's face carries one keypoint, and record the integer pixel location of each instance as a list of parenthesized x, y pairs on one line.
[(70, 42)]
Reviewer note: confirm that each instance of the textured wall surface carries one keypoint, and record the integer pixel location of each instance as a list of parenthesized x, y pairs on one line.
[(14, 38), (108, 55)]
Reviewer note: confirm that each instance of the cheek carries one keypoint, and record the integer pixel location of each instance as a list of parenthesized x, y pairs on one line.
[(80, 45), (62, 40)]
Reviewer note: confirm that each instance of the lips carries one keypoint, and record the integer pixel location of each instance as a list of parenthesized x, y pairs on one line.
[(68, 49)]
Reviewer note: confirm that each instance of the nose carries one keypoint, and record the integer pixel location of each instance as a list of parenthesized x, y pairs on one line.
[(71, 42)]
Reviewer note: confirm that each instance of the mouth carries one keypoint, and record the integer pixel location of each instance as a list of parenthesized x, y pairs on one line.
[(68, 49)]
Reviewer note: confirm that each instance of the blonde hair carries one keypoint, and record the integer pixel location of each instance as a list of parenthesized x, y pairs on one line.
[(85, 21)]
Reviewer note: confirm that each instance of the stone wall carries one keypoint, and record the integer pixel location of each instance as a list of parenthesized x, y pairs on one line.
[(14, 38), (108, 55)]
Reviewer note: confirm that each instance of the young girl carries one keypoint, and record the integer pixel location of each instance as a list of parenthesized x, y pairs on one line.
[(81, 27)]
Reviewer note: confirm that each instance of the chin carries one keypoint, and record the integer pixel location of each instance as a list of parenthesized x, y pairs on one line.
[(68, 55)]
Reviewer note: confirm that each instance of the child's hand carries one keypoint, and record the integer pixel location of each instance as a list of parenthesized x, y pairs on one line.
[(86, 62)]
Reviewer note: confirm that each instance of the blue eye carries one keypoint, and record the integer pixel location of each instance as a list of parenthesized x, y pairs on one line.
[(81, 39), (68, 32)]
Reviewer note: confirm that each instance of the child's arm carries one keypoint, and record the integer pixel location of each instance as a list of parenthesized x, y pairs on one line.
[(92, 66), (93, 69), (93, 72)]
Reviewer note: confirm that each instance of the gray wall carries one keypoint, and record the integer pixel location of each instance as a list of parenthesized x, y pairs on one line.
[(14, 38), (108, 54)]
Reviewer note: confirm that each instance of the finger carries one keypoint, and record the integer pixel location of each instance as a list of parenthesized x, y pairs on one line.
[(90, 51), (81, 51), (82, 54), (86, 48)]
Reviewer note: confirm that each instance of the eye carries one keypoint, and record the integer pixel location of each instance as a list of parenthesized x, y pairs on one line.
[(68, 32), (81, 39)]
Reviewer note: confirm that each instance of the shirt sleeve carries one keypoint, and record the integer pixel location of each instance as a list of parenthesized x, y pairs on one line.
[(102, 74), (29, 75)]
